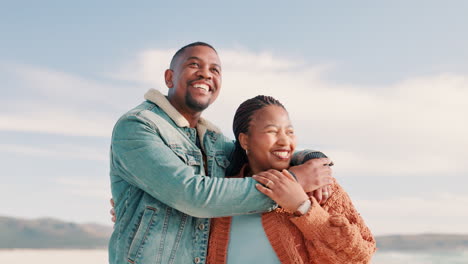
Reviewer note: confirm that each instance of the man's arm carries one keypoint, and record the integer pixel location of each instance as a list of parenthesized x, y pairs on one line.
[(141, 158)]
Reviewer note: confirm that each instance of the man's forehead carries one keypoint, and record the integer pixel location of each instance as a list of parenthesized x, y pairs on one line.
[(200, 53)]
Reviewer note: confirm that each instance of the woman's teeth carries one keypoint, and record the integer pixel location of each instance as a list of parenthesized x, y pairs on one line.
[(281, 154)]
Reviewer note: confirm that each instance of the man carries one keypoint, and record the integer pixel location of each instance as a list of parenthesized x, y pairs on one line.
[(162, 153)]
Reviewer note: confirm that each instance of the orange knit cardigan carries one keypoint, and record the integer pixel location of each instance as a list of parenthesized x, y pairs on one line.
[(332, 233)]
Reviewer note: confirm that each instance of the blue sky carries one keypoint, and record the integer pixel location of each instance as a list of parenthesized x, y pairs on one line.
[(380, 87)]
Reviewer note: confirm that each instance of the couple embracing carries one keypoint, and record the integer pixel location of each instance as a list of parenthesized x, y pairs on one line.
[(184, 193)]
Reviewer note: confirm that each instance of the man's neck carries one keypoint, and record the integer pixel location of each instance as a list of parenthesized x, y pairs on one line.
[(191, 118), (189, 114)]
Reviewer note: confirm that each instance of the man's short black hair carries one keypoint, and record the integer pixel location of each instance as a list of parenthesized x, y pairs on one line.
[(181, 50)]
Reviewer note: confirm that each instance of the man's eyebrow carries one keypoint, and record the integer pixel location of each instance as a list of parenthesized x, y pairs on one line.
[(197, 58)]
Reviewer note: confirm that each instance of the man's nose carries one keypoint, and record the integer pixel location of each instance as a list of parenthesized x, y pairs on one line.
[(204, 72)]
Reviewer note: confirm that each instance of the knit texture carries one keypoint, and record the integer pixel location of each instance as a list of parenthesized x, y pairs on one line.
[(333, 233)]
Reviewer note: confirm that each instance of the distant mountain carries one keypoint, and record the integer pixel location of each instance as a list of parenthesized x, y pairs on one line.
[(51, 233), (438, 242)]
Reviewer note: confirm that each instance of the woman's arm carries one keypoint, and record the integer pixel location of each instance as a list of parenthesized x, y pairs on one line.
[(336, 233)]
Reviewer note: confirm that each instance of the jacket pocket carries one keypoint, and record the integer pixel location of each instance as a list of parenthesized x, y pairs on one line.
[(141, 234), (222, 161)]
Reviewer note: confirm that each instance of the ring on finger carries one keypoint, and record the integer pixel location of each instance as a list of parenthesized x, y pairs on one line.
[(268, 184), (325, 194)]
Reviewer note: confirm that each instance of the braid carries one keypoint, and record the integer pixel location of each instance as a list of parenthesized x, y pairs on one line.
[(241, 124)]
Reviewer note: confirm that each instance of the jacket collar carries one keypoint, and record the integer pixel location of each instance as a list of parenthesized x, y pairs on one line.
[(160, 100)]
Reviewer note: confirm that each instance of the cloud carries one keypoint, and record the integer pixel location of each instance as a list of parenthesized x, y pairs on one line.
[(49, 101), (58, 151), (85, 187), (443, 213), (410, 127)]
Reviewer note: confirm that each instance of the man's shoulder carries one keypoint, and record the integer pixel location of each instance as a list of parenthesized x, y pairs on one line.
[(145, 110), (144, 114)]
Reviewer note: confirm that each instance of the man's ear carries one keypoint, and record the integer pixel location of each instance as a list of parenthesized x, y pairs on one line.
[(243, 141), (168, 78)]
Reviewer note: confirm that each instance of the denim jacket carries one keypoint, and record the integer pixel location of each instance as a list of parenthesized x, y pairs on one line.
[(162, 192)]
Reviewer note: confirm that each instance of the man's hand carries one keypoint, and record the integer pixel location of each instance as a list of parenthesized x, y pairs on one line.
[(112, 211), (314, 174)]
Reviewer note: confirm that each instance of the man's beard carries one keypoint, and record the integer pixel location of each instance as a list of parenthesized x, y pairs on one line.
[(194, 105)]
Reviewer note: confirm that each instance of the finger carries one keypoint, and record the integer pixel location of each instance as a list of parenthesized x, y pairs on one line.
[(318, 195), (112, 202), (265, 181), (264, 190), (275, 174), (325, 194), (288, 175), (268, 175), (114, 219), (272, 175)]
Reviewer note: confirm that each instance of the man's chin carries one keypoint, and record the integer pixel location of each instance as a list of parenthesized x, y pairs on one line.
[(197, 105)]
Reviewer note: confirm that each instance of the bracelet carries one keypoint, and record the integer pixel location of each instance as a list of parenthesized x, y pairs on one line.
[(303, 208)]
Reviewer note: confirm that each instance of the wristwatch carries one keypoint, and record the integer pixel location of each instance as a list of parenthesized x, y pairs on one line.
[(303, 208)]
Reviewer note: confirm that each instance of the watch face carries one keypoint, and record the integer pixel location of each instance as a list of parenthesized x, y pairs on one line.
[(303, 208)]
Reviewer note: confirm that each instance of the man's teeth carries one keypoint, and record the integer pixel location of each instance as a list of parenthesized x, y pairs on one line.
[(281, 154), (202, 86)]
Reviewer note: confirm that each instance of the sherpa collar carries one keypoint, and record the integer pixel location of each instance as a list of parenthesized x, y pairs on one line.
[(159, 99)]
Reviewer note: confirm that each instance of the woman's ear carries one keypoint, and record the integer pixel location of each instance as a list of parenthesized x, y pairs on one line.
[(243, 140)]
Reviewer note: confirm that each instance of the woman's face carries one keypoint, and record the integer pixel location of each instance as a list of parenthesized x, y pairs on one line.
[(270, 141)]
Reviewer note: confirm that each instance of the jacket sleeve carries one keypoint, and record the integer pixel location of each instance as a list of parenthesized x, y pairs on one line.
[(141, 157), (336, 233)]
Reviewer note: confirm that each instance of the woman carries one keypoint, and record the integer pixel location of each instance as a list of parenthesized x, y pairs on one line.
[(301, 230)]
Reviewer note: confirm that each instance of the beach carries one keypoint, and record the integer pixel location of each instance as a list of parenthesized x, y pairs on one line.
[(99, 256)]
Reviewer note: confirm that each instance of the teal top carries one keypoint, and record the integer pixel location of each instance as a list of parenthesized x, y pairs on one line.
[(248, 242)]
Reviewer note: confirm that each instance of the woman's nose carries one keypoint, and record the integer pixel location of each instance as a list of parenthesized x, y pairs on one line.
[(283, 139)]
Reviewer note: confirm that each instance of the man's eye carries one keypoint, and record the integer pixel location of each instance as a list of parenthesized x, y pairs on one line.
[(215, 70), (194, 64), (290, 132)]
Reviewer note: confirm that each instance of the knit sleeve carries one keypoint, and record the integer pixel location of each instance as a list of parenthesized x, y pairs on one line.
[(336, 233)]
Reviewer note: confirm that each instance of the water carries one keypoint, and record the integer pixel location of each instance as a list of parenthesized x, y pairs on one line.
[(99, 256)]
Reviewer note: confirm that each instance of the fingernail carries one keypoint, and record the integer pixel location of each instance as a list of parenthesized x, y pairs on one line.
[(254, 176)]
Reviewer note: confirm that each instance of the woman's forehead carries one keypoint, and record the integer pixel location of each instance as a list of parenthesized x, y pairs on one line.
[(271, 115)]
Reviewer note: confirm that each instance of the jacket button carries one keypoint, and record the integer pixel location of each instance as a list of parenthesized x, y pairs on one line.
[(197, 260), (201, 226)]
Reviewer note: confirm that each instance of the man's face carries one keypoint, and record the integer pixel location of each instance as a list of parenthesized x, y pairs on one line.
[(195, 80)]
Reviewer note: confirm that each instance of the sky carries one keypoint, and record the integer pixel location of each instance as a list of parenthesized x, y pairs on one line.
[(380, 87)]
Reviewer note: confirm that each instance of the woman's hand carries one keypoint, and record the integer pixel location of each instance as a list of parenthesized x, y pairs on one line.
[(322, 194), (282, 188)]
